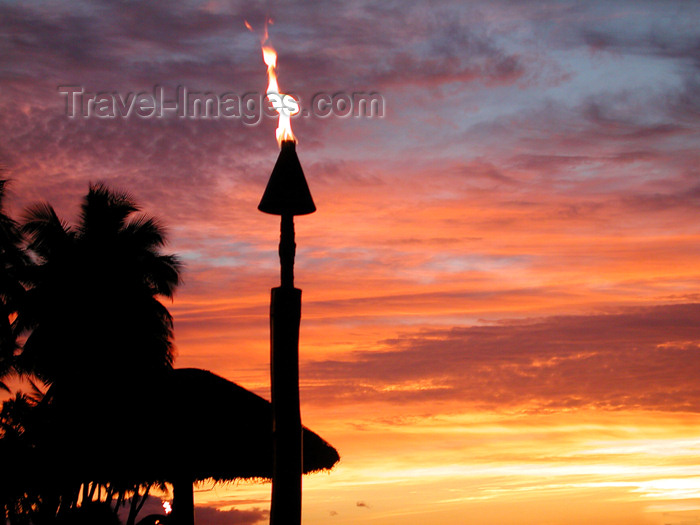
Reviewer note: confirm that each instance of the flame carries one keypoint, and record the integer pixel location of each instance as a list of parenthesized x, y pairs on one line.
[(285, 105), (167, 507), (270, 59)]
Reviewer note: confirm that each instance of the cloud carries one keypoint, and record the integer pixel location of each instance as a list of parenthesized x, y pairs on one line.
[(657, 41), (213, 516), (110, 45), (642, 358), (421, 214)]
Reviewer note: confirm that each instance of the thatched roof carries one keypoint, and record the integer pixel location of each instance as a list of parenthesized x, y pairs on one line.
[(188, 424)]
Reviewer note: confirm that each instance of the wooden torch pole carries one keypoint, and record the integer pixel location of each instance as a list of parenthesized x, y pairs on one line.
[(287, 195)]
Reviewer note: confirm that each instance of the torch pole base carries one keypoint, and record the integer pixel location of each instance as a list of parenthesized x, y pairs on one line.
[(285, 317)]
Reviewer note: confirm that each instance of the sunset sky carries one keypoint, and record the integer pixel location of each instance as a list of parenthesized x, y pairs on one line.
[(501, 285)]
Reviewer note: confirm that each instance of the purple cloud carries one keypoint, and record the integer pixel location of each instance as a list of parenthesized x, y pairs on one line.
[(213, 516), (642, 358)]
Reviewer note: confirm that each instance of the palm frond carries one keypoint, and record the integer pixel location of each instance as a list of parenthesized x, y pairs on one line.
[(37, 394), (47, 233), (104, 211), (144, 232), (12, 256), (162, 273)]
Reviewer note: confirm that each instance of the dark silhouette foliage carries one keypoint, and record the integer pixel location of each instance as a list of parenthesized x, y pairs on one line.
[(12, 262), (90, 513), (92, 310), (117, 419), (86, 300)]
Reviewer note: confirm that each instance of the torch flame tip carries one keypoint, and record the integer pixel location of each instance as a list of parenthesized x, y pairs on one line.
[(281, 101)]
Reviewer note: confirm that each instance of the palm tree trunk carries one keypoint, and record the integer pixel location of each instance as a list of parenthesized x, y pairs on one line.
[(137, 502), (110, 494), (131, 519), (120, 500)]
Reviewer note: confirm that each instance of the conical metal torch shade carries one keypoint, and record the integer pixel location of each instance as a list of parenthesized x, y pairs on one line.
[(287, 192)]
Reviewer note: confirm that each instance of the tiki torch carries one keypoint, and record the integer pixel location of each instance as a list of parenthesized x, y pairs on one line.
[(287, 195)]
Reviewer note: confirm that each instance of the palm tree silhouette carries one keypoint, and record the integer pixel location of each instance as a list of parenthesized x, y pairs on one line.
[(95, 329), (12, 261), (19, 493), (92, 311)]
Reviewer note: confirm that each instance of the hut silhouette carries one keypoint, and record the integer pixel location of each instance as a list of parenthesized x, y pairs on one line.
[(186, 426)]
